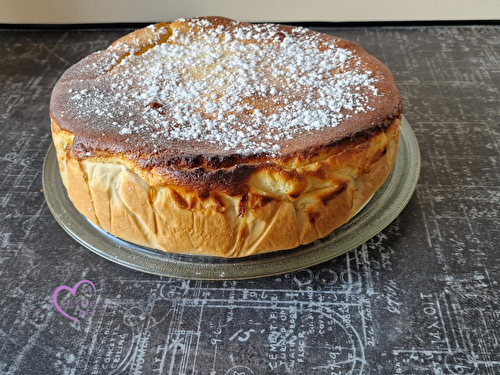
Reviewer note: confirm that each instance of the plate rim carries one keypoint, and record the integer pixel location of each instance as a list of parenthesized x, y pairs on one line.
[(373, 218)]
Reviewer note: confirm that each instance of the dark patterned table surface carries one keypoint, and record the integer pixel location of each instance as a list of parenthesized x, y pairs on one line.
[(421, 297)]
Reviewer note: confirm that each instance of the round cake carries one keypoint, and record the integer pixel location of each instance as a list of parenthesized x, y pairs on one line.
[(209, 136)]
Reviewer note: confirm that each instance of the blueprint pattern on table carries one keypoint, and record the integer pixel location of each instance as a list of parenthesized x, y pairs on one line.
[(421, 297)]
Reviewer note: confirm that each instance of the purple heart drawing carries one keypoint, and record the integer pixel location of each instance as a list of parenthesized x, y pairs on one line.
[(72, 291)]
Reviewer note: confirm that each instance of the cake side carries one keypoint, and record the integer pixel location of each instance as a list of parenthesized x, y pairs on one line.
[(277, 208)]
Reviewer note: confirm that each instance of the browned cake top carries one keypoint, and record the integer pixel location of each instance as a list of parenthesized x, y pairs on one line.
[(214, 92)]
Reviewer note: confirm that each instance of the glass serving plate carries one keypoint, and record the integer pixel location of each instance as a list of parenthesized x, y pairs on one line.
[(380, 211)]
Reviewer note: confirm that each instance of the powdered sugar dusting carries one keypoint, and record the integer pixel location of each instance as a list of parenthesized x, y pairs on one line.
[(244, 90)]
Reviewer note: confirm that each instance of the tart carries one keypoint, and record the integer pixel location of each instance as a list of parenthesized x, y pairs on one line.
[(209, 136)]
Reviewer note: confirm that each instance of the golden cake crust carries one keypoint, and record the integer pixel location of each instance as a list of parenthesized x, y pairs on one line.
[(215, 194)]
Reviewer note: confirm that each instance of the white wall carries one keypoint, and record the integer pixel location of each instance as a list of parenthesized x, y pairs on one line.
[(103, 11)]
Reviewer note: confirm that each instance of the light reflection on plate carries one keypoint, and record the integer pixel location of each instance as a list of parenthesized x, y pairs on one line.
[(379, 212)]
